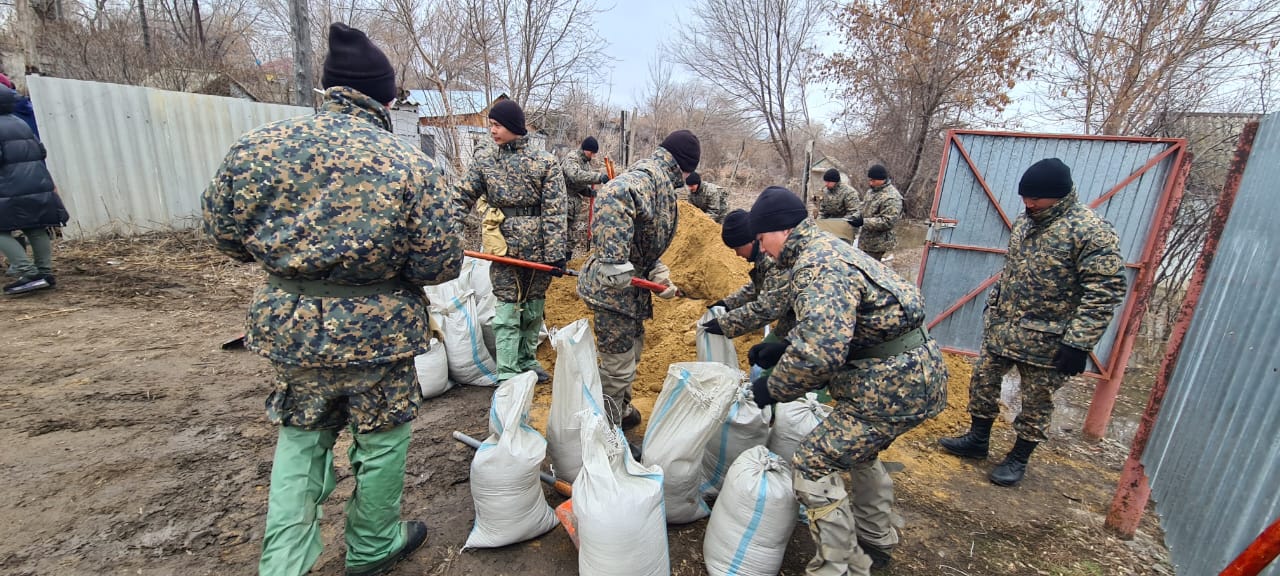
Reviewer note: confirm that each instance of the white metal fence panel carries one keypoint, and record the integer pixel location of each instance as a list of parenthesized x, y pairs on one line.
[(130, 159)]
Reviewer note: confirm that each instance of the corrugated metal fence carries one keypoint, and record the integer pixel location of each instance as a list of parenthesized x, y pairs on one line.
[(130, 159), (1214, 456)]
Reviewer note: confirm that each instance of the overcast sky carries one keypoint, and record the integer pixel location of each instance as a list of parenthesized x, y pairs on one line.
[(635, 31)]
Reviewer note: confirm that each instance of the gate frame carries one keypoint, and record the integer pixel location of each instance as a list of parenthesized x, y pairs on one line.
[(1111, 376)]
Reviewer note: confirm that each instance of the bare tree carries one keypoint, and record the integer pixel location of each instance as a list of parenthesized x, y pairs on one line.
[(910, 70), (759, 53), (1129, 66)]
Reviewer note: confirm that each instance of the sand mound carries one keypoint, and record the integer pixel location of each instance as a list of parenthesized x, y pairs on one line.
[(704, 268)]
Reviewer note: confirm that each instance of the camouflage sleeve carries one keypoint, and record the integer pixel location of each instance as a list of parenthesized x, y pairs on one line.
[(576, 175), (555, 212), (468, 190), (1101, 272), (613, 227), (722, 205), (218, 209), (824, 305), (435, 232), (738, 299), (770, 305), (885, 213), (852, 204)]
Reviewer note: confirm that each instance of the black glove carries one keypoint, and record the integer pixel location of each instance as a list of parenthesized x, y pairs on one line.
[(560, 265), (719, 303), (856, 221), (604, 178), (589, 193), (1070, 361), (760, 392), (712, 326), (767, 354)]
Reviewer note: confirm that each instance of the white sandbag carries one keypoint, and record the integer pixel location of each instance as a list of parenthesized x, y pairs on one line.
[(694, 401), (475, 275), (432, 368), (715, 347), (753, 517), (509, 502), (618, 503), (469, 359), (574, 388), (745, 426), (792, 421)]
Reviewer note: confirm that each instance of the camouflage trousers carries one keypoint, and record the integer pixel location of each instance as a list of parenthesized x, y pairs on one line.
[(620, 340), (843, 442), (368, 398), (577, 213), (516, 284), (1038, 385)]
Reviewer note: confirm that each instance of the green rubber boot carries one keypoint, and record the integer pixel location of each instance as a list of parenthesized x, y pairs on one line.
[(530, 325), (301, 479), (373, 514), (506, 338)]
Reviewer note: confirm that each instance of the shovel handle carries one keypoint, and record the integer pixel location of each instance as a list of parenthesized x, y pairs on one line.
[(518, 262)]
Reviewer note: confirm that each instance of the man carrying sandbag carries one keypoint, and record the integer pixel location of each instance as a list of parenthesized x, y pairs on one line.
[(635, 221), (860, 333), (527, 187), (342, 314)]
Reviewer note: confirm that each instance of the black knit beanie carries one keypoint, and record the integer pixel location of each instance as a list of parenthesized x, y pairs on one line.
[(776, 209), (354, 61), (683, 145), (1048, 178), (831, 175), (693, 178), (590, 144), (878, 172), (510, 116), (736, 230)]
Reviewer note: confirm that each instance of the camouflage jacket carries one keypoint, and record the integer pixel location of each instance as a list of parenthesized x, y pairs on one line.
[(765, 299), (335, 196), (842, 202), (880, 212), (527, 185), (845, 300), (635, 221), (578, 175), (1062, 280), (711, 199)]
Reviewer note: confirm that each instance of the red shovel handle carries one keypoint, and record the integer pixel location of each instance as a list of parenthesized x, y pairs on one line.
[(648, 285)]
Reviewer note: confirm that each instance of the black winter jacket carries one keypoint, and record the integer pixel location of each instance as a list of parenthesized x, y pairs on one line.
[(27, 196)]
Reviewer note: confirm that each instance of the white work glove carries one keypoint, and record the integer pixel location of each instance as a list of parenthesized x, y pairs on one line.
[(662, 275), (617, 275)]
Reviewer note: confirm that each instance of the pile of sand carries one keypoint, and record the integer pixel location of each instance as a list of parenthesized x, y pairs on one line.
[(704, 269)]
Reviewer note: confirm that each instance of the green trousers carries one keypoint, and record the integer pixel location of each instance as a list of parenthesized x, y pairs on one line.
[(515, 335), (16, 254), (302, 478)]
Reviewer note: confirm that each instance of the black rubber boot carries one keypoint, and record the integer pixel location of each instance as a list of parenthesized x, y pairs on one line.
[(880, 556), (415, 535), (1014, 467), (973, 444)]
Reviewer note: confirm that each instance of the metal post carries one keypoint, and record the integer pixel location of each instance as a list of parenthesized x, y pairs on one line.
[(304, 79), (1264, 549), (1104, 394), (1132, 493)]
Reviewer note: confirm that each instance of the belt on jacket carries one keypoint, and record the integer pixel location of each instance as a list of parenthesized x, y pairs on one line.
[(914, 338), (512, 212), (327, 289)]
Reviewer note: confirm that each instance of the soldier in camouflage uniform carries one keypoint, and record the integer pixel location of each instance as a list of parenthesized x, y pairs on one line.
[(840, 200), (709, 198), (635, 221), (580, 180), (348, 222), (1062, 279), (527, 186), (765, 299), (880, 212), (861, 335)]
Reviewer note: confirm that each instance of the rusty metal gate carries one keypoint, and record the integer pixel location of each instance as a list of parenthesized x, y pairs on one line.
[(1134, 183)]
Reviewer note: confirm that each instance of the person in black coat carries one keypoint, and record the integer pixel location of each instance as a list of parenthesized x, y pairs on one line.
[(29, 202)]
